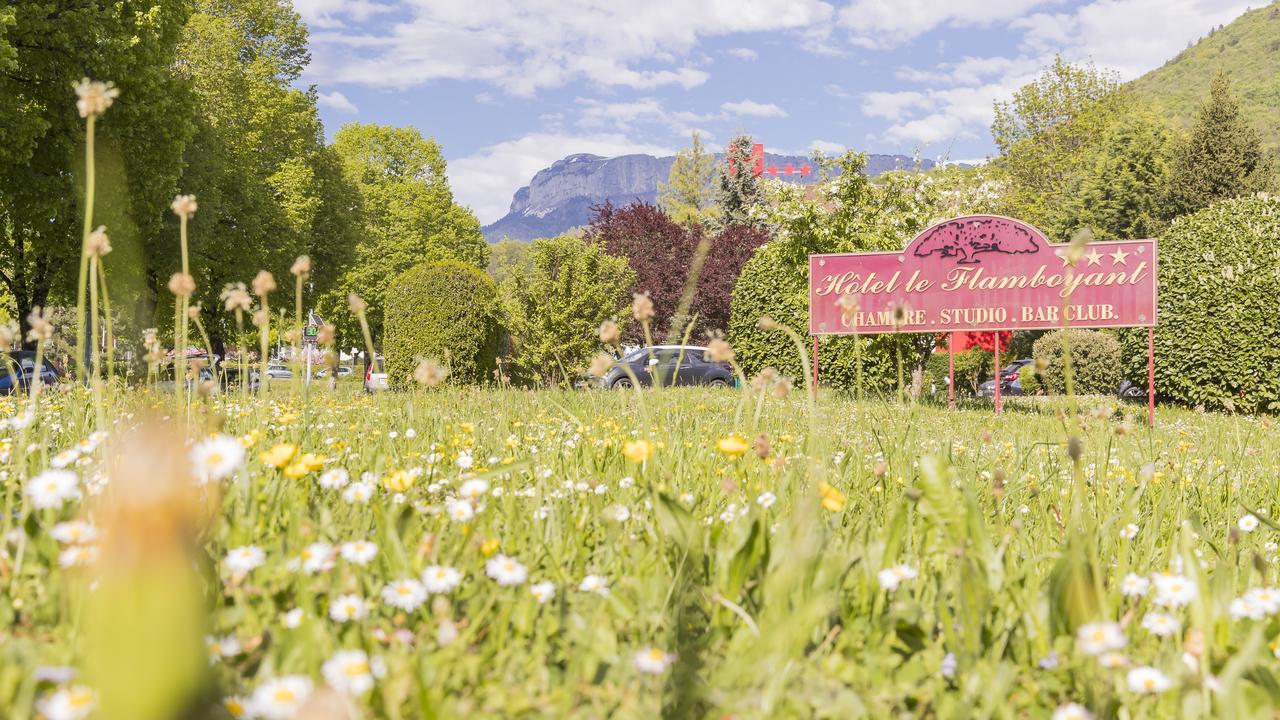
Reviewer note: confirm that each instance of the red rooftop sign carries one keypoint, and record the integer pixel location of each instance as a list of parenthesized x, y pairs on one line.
[(982, 272)]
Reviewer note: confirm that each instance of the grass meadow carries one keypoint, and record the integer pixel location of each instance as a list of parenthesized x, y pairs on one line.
[(675, 553)]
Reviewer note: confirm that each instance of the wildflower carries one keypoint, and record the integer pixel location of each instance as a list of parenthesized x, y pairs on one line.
[(767, 324), (216, 458), (352, 672), (637, 451), (263, 283), (221, 647), (347, 608), (464, 461), (948, 667), (358, 492), (1134, 585), (293, 618), (447, 632), (74, 532), (1173, 590), (356, 304), (397, 481), (1160, 624), (244, 559), (77, 556), (301, 265), (317, 557), (619, 513), (280, 698), (1246, 607), (719, 351), (600, 365), (98, 243), (1097, 638), (441, 579), (832, 499), (235, 297), (474, 489), (733, 446), (1072, 711), (1113, 660), (236, 706), (506, 571), (40, 329), (184, 206), (459, 510), (358, 552), (642, 307), (404, 594), (891, 577), (1148, 680), (1129, 532), (594, 584), (279, 455), (626, 482), (609, 332), (94, 98), (182, 284), (72, 703), (652, 661), (766, 499), (430, 373), (762, 446), (1248, 523), (543, 591), (334, 479), (51, 488)]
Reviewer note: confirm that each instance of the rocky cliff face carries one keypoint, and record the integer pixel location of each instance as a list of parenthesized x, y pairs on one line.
[(560, 197)]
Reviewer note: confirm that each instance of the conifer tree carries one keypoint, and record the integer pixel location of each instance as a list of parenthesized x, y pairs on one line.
[(739, 188), (1223, 157), (689, 195)]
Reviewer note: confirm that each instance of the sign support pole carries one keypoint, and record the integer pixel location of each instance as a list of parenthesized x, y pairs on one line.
[(1151, 376), (815, 367), (999, 382), (951, 370)]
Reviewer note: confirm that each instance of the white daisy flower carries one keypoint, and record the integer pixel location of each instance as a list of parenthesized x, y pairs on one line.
[(293, 618), (78, 555), (891, 577), (346, 608), (1173, 590), (464, 461), (459, 510), (1248, 523), (619, 513), (334, 479), (358, 493), (1072, 711), (359, 552), (280, 698), (64, 458), (594, 584), (71, 703), (505, 570), (652, 661), (1129, 532), (221, 647), (216, 458), (352, 672), (407, 594), (626, 482), (1098, 638), (543, 591), (244, 559), (473, 489), (74, 532), (766, 499), (1161, 624), (1246, 607), (441, 579), (1134, 585), (51, 488), (1148, 680), (317, 557)]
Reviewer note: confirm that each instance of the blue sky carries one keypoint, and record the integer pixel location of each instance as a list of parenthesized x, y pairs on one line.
[(509, 86)]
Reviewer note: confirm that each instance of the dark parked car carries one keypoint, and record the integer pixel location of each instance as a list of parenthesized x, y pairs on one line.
[(672, 364), (23, 363), (1009, 384)]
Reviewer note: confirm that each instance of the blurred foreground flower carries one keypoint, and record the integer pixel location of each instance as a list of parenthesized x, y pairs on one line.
[(94, 98), (832, 499), (637, 451), (733, 446), (652, 661)]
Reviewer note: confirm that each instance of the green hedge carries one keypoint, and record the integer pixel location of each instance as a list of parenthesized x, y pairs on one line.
[(769, 286), (1095, 362), (1218, 337), (446, 312)]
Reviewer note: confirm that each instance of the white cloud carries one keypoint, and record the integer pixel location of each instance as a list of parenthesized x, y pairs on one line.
[(886, 23), (744, 53), (336, 101), (753, 109), (486, 179), (330, 13), (827, 147), (523, 46), (891, 105)]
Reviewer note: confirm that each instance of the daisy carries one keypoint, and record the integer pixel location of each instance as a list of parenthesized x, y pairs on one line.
[(543, 591), (74, 532), (619, 513), (352, 672), (1097, 638), (594, 584), (652, 661), (459, 510), (358, 493), (1161, 624), (293, 618), (408, 595), (242, 560), (441, 579), (1072, 711), (474, 489), (464, 460), (51, 488), (216, 458), (1134, 585), (891, 577), (766, 499), (78, 555), (506, 571), (1248, 523), (1129, 532), (317, 557), (1173, 590), (221, 647), (70, 703), (1113, 660), (280, 698), (1267, 598), (64, 458), (1148, 680), (359, 552), (347, 608), (334, 479), (1246, 607)]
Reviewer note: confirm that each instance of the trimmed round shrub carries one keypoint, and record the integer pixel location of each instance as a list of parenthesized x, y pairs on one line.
[(1095, 362), (447, 312), (768, 286), (1218, 337)]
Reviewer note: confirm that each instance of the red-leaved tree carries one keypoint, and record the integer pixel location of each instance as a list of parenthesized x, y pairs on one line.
[(661, 253)]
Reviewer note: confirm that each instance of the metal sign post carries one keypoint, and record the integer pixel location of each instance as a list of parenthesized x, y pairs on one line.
[(309, 334)]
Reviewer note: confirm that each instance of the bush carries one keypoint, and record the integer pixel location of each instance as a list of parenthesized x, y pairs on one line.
[(768, 286), (1029, 380), (446, 312), (1095, 362), (1218, 338)]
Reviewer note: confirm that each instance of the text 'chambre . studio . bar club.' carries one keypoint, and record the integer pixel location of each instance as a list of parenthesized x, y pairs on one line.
[(986, 273)]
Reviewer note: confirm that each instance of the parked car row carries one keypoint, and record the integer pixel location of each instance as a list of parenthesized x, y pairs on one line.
[(1011, 385), (668, 365)]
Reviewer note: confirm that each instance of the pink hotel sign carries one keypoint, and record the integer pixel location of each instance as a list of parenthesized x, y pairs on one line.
[(982, 272)]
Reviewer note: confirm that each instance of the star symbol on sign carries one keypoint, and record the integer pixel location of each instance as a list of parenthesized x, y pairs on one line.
[(1094, 257), (1063, 256), (1120, 257)]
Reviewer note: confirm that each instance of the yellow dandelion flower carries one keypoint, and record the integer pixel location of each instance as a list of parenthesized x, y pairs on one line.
[(733, 446), (397, 481), (278, 455), (489, 547), (832, 499), (637, 451)]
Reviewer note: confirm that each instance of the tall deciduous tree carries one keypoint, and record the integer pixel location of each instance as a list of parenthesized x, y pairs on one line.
[(1222, 158), (739, 187), (556, 305), (689, 195), (409, 213)]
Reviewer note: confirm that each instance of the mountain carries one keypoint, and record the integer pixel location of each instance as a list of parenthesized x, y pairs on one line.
[(1248, 50), (560, 197)]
